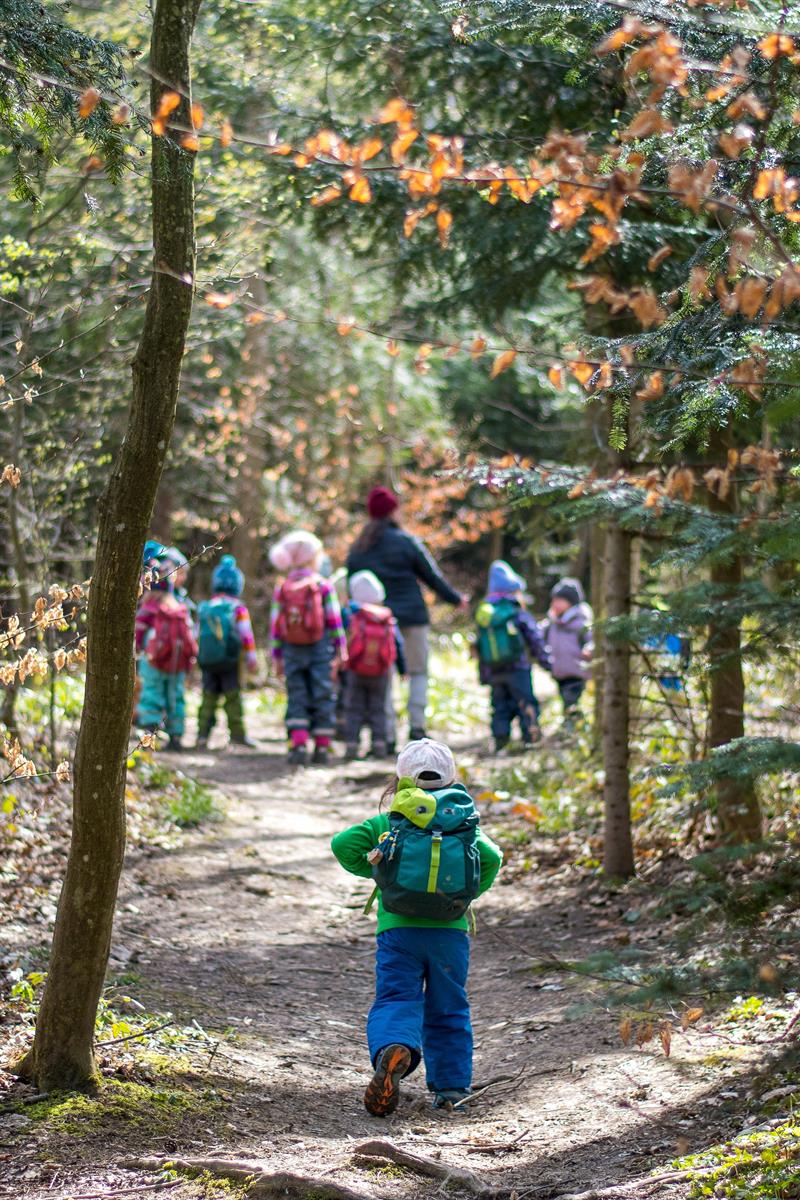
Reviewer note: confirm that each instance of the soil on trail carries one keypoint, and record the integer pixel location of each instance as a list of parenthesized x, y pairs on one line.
[(252, 928)]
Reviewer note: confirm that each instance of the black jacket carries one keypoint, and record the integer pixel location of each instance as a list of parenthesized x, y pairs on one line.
[(401, 562)]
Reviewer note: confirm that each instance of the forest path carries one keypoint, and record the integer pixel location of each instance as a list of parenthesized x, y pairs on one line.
[(250, 928)]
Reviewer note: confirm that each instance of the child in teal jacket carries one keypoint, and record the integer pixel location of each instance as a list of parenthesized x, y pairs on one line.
[(421, 1009)]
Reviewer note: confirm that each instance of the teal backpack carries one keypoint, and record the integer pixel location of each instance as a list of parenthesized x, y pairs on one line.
[(219, 644), (499, 641), (428, 864)]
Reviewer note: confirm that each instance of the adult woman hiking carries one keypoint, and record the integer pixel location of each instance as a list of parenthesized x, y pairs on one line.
[(402, 562)]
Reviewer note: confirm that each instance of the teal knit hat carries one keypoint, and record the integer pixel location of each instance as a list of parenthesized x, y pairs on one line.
[(227, 577)]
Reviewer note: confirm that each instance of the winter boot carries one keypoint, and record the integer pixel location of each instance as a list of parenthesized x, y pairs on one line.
[(383, 1090), (321, 756), (451, 1100), (298, 756), (174, 745), (351, 752), (416, 734), (379, 750)]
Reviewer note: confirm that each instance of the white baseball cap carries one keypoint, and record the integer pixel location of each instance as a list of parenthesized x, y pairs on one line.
[(430, 764)]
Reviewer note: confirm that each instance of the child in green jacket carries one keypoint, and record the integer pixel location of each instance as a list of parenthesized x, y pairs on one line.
[(421, 1009)]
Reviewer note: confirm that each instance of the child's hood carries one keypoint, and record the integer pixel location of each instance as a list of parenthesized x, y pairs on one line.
[(577, 617)]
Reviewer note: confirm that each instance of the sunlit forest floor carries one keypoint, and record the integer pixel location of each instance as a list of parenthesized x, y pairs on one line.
[(242, 956)]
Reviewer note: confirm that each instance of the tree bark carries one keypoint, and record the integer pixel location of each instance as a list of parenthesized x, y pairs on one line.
[(597, 547), (62, 1054), (618, 844), (738, 810)]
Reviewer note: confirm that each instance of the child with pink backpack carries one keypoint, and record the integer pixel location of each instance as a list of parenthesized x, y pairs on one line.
[(307, 643), (374, 646)]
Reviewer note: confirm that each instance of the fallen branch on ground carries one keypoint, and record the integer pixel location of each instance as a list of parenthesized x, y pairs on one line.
[(160, 1186), (646, 1186), (261, 1182), (377, 1149)]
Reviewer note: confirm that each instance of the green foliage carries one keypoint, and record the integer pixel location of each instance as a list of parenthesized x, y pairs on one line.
[(47, 64), (185, 800), (755, 1166)]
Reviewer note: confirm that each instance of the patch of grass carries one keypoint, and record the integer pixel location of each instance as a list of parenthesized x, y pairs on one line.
[(191, 803), (758, 1166)]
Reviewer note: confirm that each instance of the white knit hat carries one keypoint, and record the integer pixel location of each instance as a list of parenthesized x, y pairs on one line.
[(432, 759), (366, 588)]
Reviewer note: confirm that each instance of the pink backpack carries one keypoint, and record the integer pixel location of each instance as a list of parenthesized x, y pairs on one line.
[(371, 644), (301, 620)]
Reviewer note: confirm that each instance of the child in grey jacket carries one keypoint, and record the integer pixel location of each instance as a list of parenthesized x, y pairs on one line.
[(567, 633)]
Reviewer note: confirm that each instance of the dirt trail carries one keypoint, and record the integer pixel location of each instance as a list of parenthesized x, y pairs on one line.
[(251, 926)]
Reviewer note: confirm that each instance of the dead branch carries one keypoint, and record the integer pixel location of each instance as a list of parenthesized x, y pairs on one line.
[(646, 1186), (422, 1164), (262, 1183)]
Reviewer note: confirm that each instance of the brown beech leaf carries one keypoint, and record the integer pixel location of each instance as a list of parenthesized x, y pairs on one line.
[(502, 363), (88, 102)]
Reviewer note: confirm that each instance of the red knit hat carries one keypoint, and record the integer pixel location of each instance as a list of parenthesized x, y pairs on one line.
[(381, 502)]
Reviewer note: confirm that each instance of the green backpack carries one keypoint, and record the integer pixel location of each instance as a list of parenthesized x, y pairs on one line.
[(428, 864), (499, 641), (219, 644)]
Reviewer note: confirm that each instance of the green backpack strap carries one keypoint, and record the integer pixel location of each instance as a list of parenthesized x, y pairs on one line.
[(371, 901)]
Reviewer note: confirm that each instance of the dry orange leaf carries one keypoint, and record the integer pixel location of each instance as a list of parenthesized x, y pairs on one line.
[(582, 371), (197, 116), (220, 299), (121, 114), (392, 348), (478, 346), (655, 260), (556, 375), (255, 318), (191, 142), (88, 102), (396, 110), (401, 144), (225, 134), (326, 196), (444, 221), (775, 45), (344, 328), (361, 192), (367, 150), (502, 362)]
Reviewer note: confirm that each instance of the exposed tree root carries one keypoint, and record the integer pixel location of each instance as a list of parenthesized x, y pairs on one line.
[(262, 1183), (380, 1151)]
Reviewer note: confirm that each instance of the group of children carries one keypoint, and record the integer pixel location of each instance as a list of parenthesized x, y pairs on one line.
[(337, 645), (172, 634)]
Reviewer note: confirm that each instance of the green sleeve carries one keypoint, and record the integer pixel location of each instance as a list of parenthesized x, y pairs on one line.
[(352, 845), (491, 860)]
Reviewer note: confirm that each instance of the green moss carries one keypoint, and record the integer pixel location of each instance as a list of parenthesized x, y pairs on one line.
[(756, 1166), (117, 1102)]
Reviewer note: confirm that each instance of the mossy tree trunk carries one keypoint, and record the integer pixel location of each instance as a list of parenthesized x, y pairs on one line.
[(62, 1054)]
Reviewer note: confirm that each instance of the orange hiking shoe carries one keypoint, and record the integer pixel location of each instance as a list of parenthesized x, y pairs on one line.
[(383, 1090)]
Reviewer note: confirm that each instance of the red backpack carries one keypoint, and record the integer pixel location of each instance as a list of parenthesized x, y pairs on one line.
[(371, 641), (171, 646), (301, 620)]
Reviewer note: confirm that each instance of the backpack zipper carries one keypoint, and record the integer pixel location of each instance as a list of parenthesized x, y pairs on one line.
[(436, 855)]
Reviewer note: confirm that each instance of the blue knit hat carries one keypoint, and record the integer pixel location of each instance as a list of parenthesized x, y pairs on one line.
[(504, 579), (227, 577), (152, 549)]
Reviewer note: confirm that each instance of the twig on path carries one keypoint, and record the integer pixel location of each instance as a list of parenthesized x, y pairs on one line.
[(505, 1079), (132, 1036), (160, 1186), (378, 1150), (497, 1147), (261, 1182), (645, 1186), (24, 1100)]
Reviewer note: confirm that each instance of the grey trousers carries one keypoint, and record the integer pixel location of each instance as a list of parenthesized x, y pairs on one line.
[(415, 638)]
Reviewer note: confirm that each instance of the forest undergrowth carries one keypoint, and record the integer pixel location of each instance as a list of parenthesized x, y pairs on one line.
[(239, 975)]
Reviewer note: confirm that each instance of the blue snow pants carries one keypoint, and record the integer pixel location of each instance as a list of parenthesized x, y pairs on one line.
[(162, 703), (421, 1002), (512, 696)]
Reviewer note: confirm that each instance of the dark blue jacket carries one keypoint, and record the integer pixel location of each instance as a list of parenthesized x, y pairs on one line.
[(401, 562)]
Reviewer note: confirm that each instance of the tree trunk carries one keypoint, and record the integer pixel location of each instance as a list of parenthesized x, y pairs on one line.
[(618, 844), (738, 811), (597, 547), (62, 1055), (247, 542)]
